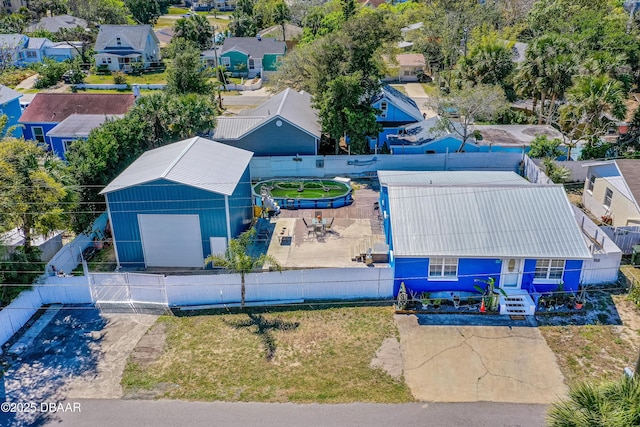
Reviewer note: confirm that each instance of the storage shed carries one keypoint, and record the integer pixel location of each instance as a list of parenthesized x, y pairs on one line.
[(177, 204)]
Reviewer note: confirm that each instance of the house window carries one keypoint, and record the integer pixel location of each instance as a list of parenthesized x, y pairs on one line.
[(608, 194), (66, 143), (443, 268), (408, 72), (384, 106), (592, 182), (32, 54), (226, 61), (104, 60), (118, 41), (38, 134), (549, 269), (252, 64), (109, 60)]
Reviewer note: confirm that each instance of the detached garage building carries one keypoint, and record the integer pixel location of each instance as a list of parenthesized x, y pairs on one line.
[(177, 204)]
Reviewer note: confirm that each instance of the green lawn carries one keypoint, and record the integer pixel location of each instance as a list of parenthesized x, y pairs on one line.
[(177, 11), (296, 355), (430, 89), (221, 24), (152, 78)]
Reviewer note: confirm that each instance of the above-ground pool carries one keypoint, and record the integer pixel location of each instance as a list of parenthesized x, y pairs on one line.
[(304, 193)]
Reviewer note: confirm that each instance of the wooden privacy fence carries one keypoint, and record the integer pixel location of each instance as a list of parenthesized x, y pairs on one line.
[(624, 237)]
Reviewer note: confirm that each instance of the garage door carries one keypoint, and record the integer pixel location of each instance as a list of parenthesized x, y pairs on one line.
[(171, 240)]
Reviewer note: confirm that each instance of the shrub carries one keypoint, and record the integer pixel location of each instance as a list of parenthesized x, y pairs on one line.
[(119, 78)]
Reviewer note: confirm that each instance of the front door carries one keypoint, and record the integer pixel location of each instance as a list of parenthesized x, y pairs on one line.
[(511, 276)]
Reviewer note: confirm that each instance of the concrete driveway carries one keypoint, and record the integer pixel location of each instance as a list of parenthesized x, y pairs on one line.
[(478, 363), (417, 93), (78, 352)]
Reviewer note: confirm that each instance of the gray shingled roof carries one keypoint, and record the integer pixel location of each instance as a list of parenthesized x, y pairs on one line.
[(80, 125), (8, 94), (36, 42), (457, 178), (532, 221), (294, 107), (630, 170), (56, 23), (135, 34), (253, 47), (11, 40), (197, 162)]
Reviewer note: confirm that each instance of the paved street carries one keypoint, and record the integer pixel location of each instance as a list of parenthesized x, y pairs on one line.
[(125, 413)]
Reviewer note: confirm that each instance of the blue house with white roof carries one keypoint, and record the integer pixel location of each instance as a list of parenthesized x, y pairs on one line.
[(447, 230), (10, 107), (178, 204)]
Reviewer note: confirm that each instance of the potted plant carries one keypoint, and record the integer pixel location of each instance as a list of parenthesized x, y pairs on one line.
[(490, 293), (580, 298), (436, 303), (426, 299)]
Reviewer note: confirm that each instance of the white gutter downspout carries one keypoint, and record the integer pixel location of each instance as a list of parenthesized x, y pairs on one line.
[(226, 210), (113, 232)]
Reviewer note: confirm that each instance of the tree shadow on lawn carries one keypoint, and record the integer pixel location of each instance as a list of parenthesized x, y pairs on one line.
[(263, 328), (67, 348)]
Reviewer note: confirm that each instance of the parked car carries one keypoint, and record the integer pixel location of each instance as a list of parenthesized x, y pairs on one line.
[(69, 76), (188, 15)]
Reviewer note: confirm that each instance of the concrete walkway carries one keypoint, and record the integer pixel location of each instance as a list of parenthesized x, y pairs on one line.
[(27, 83), (417, 93), (478, 363)]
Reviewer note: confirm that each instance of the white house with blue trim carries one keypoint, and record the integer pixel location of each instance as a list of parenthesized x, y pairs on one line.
[(447, 230), (177, 204)]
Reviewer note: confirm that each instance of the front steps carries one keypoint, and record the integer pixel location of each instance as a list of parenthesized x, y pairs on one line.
[(517, 303)]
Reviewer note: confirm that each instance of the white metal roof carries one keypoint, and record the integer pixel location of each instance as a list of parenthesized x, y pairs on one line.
[(80, 125), (449, 178), (532, 221), (197, 162), (235, 127)]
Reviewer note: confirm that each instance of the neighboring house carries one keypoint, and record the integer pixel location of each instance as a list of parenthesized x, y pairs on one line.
[(73, 128), (177, 204), (10, 106), (292, 32), (371, 4), (48, 244), (447, 230), (252, 56), (56, 23), (396, 111), (47, 110), (12, 49), (406, 68), (425, 137), (165, 35), (612, 191), (21, 50), (119, 46), (512, 138), (285, 125), (10, 6)]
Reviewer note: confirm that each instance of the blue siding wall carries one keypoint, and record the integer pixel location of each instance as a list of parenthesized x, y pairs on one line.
[(394, 114), (46, 127), (271, 140), (57, 146), (165, 197), (13, 112), (413, 272), (240, 206)]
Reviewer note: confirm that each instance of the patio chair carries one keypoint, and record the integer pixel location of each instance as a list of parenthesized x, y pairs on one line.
[(328, 226)]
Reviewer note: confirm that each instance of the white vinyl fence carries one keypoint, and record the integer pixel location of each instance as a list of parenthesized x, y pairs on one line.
[(355, 166)]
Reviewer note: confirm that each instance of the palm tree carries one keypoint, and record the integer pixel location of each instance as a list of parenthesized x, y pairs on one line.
[(281, 15), (612, 404), (236, 259)]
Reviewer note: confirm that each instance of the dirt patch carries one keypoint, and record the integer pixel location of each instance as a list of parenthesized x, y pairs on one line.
[(150, 347), (597, 351), (389, 358)]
